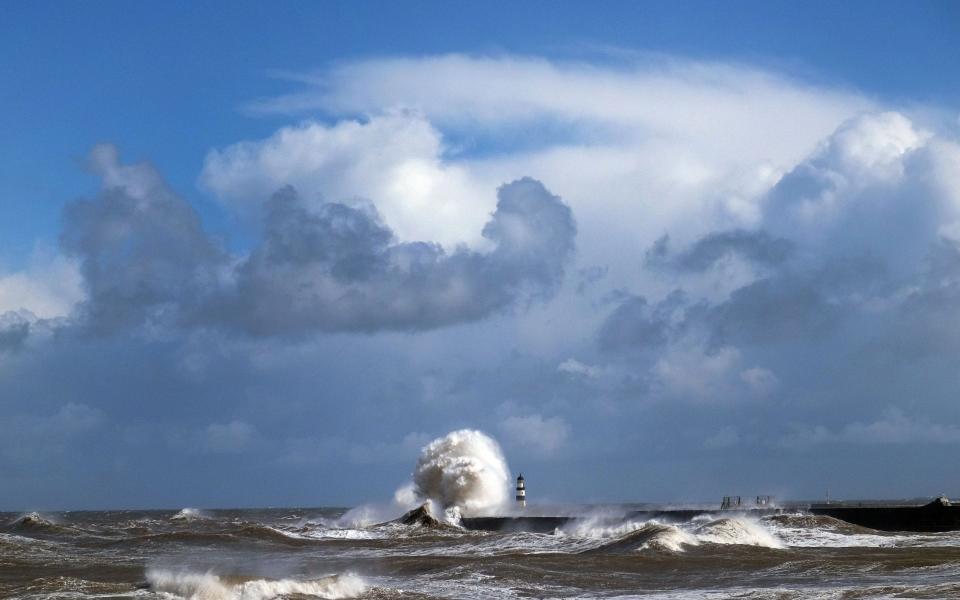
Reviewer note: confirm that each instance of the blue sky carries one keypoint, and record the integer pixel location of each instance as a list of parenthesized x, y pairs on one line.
[(707, 245)]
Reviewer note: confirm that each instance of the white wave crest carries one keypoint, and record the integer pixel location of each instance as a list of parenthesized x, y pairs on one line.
[(741, 531), (366, 515), (463, 469), (670, 538), (189, 514), (34, 519), (207, 586), (674, 537)]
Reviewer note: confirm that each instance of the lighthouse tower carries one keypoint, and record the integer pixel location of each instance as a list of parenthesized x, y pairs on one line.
[(521, 492)]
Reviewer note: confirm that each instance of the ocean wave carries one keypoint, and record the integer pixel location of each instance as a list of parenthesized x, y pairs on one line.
[(241, 534), (190, 514), (808, 521), (737, 531), (207, 586), (676, 537), (820, 531), (34, 522), (651, 536)]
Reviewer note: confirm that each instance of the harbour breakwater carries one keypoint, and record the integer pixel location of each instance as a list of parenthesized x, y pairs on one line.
[(930, 516)]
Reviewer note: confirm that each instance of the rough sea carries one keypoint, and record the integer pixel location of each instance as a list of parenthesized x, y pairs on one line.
[(325, 553)]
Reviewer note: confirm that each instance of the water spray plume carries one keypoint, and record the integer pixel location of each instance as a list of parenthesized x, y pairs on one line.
[(464, 469)]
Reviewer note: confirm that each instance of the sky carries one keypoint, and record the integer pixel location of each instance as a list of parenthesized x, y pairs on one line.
[(259, 254)]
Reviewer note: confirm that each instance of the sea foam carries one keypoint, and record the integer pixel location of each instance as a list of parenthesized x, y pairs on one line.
[(207, 586)]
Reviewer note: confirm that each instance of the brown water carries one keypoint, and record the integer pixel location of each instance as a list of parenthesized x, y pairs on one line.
[(315, 553)]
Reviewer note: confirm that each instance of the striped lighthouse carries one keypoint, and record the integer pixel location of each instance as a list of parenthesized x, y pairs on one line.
[(521, 492)]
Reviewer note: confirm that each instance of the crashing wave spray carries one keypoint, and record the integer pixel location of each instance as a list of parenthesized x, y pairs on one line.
[(464, 469), (207, 586)]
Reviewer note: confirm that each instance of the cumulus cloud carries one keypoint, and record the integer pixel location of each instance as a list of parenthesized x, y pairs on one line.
[(636, 325), (757, 247), (145, 259), (810, 268), (394, 159), (341, 269), (850, 228), (14, 329), (688, 373), (48, 287), (142, 250), (678, 138)]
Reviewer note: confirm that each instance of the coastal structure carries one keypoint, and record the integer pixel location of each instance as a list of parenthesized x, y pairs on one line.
[(919, 515)]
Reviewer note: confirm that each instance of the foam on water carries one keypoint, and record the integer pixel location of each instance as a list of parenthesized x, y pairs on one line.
[(207, 586), (812, 531), (672, 537)]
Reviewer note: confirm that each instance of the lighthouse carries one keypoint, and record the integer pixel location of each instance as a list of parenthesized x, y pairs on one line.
[(521, 492)]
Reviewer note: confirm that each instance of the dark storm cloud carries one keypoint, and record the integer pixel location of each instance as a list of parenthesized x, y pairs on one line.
[(146, 259), (758, 247), (772, 309), (14, 330), (143, 252), (788, 303), (637, 325), (340, 268)]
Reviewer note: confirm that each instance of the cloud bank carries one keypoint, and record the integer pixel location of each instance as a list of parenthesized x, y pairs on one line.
[(742, 266), (146, 261)]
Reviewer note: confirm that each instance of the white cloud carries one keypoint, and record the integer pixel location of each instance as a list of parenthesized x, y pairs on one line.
[(688, 372), (721, 105), (646, 146), (575, 367), (541, 435), (394, 160), (48, 287)]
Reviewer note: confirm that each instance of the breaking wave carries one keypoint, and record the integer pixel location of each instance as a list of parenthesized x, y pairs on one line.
[(464, 469), (823, 522), (651, 536), (675, 537), (32, 520), (207, 586), (36, 523), (189, 514), (739, 531)]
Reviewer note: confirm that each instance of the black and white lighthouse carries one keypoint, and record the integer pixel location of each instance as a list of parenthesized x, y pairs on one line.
[(521, 492)]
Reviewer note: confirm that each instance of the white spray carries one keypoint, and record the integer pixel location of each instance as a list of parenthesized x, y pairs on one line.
[(207, 586), (465, 469)]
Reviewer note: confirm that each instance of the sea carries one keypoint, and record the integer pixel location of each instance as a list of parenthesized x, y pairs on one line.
[(302, 553)]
